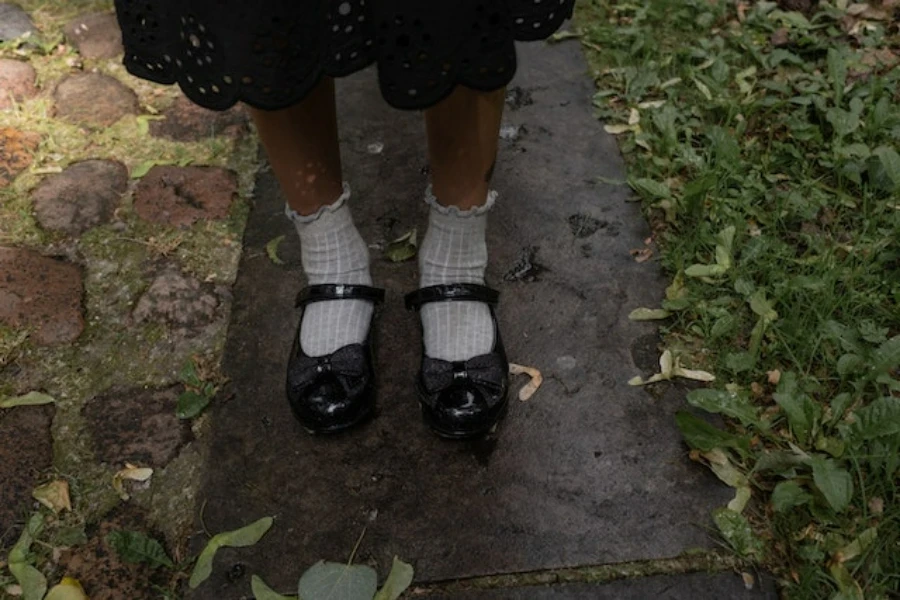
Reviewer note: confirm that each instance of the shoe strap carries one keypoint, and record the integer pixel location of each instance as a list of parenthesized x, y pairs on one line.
[(338, 291), (451, 291)]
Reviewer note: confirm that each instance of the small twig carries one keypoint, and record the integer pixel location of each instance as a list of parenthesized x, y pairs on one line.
[(202, 522), (356, 547)]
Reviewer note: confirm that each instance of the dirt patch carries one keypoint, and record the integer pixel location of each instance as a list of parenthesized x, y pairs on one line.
[(102, 573), (96, 35), (16, 81), (137, 425), (81, 197), (16, 150), (26, 453), (94, 99), (186, 122), (40, 293), (181, 196)]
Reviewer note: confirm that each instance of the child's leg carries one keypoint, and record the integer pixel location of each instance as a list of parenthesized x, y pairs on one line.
[(462, 146), (302, 145)]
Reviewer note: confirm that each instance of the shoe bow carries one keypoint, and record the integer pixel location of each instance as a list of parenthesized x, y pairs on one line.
[(488, 370), (346, 362)]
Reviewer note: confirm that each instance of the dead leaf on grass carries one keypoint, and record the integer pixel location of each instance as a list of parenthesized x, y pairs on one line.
[(532, 386), (54, 495), (670, 367), (641, 254)]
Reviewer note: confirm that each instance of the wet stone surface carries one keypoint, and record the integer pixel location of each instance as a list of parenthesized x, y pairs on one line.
[(105, 576), (178, 300), (692, 586), (181, 196), (16, 151), (84, 195), (26, 453), (14, 22), (94, 99), (16, 82), (41, 294), (136, 425), (186, 122), (95, 36)]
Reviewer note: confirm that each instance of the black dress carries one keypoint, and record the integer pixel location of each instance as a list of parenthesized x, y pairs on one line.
[(271, 53)]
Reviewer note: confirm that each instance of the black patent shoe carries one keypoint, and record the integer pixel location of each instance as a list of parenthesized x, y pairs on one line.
[(466, 398), (331, 393)]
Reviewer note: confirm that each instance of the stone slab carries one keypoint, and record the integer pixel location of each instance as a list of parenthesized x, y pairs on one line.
[(14, 22), (589, 471), (95, 35), (16, 82), (693, 586), (84, 195), (94, 99), (181, 196)]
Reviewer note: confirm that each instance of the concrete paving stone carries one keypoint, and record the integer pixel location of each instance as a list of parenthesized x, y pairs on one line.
[(16, 153), (100, 570), (137, 426), (186, 122), (16, 82), (95, 35), (14, 22), (693, 586), (42, 294), (94, 99), (84, 195), (178, 300), (590, 470), (181, 196), (26, 453)]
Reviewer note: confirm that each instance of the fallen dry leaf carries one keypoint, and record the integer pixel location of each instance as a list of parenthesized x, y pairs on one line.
[(749, 580), (131, 473), (641, 254), (54, 495), (532, 386)]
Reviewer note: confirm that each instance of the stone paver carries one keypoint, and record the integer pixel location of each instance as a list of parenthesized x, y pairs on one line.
[(14, 22), (186, 122), (93, 99), (178, 300), (16, 153), (181, 196), (694, 586), (84, 195), (42, 294), (136, 425), (22, 464), (16, 81), (590, 470), (95, 35)]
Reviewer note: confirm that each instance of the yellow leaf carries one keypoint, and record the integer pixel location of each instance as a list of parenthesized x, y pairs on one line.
[(532, 386), (67, 589), (617, 129), (29, 399), (54, 495), (132, 473)]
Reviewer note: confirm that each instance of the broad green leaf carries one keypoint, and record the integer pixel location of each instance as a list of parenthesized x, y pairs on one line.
[(848, 364), (848, 587), (648, 314), (733, 404), (880, 418), (29, 399), (837, 72), (887, 356), (32, 581), (859, 545), (191, 404), (398, 580), (701, 435), (272, 250), (403, 248), (833, 481), (801, 411), (787, 495), (263, 592), (336, 581), (890, 160), (649, 188), (705, 270), (135, 547), (832, 445), (736, 530), (238, 538), (761, 306), (67, 589)]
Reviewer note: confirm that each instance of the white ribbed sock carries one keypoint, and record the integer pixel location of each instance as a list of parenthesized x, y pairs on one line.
[(332, 251), (454, 251)]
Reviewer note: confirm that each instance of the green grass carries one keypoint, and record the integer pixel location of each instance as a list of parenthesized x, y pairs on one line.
[(763, 144)]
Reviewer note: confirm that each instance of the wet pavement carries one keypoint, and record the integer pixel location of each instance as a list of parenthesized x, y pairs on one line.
[(589, 471)]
